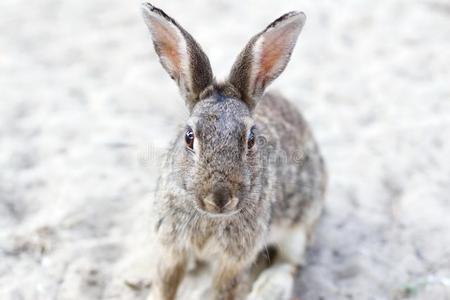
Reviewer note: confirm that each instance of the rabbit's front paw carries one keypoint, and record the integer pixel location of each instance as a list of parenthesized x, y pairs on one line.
[(275, 283), (154, 295)]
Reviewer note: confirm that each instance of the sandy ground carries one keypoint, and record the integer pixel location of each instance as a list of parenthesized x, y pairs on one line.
[(86, 112)]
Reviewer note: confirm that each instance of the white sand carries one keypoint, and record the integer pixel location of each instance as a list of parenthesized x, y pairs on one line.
[(86, 112)]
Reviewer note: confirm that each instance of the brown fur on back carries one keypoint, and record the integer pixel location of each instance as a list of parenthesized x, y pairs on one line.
[(300, 169)]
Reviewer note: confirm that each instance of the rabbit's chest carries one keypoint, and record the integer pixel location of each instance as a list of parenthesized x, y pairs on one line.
[(205, 249), (206, 241), (214, 241)]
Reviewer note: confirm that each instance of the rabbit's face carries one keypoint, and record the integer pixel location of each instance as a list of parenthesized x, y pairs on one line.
[(220, 156)]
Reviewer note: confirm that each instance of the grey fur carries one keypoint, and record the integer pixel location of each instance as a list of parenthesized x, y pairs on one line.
[(277, 182)]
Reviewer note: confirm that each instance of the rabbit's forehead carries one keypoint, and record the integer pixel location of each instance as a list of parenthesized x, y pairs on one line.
[(221, 104), (224, 116)]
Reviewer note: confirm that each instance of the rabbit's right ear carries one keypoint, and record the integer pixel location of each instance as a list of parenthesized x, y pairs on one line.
[(179, 54)]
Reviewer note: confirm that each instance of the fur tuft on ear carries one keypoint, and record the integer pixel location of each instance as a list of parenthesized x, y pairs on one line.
[(180, 55), (265, 57)]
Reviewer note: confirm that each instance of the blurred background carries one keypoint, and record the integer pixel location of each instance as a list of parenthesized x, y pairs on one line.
[(86, 112)]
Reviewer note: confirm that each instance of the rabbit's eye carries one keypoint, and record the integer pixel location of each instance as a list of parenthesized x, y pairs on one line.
[(189, 138), (251, 138)]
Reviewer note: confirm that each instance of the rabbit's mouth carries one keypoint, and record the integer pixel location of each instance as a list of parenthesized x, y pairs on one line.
[(221, 215), (213, 207)]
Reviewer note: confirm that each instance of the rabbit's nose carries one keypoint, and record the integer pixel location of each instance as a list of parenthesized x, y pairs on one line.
[(221, 197), (220, 200)]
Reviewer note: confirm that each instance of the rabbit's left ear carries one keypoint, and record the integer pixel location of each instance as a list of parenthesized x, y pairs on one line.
[(180, 55), (265, 57)]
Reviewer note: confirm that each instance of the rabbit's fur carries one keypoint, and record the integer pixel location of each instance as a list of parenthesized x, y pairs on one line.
[(224, 199)]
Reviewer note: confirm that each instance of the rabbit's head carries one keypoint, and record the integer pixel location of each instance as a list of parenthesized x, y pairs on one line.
[(220, 166)]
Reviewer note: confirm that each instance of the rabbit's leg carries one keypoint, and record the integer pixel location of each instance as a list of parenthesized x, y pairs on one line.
[(277, 281), (169, 272), (274, 283), (230, 281)]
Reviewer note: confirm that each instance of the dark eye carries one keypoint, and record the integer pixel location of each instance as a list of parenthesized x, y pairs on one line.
[(251, 138), (189, 138)]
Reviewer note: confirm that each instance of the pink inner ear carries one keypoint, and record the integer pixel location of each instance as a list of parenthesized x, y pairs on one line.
[(167, 42), (274, 53)]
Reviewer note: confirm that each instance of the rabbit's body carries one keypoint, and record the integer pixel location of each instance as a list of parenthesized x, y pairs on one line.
[(289, 188), (245, 173)]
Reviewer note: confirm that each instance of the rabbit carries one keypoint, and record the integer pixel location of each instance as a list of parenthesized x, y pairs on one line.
[(243, 174)]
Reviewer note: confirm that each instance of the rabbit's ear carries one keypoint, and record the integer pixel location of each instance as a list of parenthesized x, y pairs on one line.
[(266, 56), (179, 54)]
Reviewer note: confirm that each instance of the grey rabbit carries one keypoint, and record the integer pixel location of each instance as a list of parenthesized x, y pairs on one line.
[(245, 173)]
